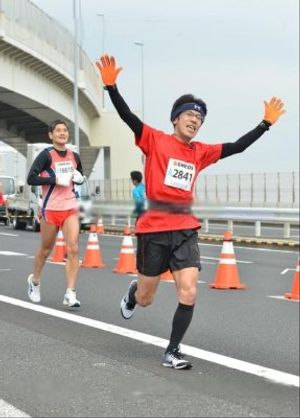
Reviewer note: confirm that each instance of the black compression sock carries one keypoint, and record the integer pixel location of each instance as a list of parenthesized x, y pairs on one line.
[(181, 321)]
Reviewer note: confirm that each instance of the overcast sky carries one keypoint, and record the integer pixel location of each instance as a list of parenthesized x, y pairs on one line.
[(231, 53)]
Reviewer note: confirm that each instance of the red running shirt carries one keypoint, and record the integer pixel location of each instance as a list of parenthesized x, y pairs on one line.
[(171, 169)]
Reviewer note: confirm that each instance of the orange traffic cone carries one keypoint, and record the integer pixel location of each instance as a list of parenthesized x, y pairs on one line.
[(100, 226), (295, 286), (167, 275), (227, 276), (60, 249), (127, 259), (92, 257)]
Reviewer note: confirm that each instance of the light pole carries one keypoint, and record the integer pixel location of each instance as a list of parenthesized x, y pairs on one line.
[(141, 46), (76, 65), (101, 15)]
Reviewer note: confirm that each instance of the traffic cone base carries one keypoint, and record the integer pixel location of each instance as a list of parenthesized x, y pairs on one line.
[(227, 275), (295, 292), (92, 257)]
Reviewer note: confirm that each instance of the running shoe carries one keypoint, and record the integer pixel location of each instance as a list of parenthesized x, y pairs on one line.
[(175, 359), (70, 299), (33, 290), (128, 305)]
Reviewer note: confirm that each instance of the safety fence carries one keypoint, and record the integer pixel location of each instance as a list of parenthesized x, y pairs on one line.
[(253, 189)]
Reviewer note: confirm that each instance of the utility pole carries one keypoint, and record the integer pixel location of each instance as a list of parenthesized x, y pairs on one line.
[(101, 15), (76, 67)]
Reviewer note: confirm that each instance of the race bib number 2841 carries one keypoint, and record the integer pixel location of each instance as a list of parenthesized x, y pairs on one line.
[(180, 174)]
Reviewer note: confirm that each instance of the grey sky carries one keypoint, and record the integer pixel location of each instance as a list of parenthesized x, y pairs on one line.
[(231, 53)]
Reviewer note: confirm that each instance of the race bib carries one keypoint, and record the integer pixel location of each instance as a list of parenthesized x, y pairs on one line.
[(64, 168), (180, 174)]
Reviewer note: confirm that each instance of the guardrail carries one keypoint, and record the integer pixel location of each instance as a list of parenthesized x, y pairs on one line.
[(119, 213)]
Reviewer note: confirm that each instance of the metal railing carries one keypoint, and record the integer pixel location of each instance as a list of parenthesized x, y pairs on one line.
[(119, 214), (253, 190)]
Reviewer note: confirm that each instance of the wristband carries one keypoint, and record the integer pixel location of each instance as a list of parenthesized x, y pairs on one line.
[(265, 125), (110, 88)]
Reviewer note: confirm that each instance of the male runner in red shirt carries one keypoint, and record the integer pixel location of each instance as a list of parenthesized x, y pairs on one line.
[(167, 232)]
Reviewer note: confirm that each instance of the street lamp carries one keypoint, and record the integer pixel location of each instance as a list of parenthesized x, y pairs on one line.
[(101, 15), (76, 65), (141, 46)]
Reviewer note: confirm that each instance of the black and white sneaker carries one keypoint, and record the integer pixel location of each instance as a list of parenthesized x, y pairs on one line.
[(128, 305), (175, 359)]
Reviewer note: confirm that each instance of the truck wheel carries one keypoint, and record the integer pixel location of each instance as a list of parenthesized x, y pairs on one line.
[(17, 224)]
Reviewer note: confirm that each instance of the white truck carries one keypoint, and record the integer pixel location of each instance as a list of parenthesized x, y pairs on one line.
[(22, 205), (8, 191)]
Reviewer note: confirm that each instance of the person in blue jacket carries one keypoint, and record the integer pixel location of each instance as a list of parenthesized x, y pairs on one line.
[(138, 193)]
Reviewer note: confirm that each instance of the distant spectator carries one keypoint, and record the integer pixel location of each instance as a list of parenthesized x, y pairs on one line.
[(138, 193)]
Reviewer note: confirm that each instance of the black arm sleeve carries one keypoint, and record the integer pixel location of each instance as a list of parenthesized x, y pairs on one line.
[(78, 162), (245, 141), (41, 163), (134, 123)]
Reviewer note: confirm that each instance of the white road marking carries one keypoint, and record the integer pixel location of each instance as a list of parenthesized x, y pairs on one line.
[(5, 269), (243, 366), (252, 248), (12, 253), (7, 410), (283, 298), (7, 234), (286, 270)]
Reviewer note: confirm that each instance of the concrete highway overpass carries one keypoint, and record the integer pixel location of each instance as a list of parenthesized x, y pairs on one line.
[(36, 87)]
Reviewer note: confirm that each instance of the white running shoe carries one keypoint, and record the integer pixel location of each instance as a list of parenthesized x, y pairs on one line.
[(70, 299), (128, 306), (34, 290), (175, 359)]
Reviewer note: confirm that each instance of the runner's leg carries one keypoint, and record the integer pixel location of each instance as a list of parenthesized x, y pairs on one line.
[(48, 236), (70, 231)]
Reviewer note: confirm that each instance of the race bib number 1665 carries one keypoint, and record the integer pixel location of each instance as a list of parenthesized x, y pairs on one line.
[(180, 174)]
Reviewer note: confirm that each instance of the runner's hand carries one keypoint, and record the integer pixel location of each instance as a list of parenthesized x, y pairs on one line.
[(273, 110), (77, 177), (108, 70), (63, 180)]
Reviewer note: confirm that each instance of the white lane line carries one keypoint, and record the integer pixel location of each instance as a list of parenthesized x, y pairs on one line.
[(5, 269), (254, 369), (283, 298), (7, 410), (12, 253), (286, 270), (252, 248), (7, 234)]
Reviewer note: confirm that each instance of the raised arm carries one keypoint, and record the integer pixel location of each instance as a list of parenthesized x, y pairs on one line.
[(109, 73), (273, 111)]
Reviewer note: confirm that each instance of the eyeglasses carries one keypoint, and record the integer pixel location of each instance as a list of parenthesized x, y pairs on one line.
[(192, 113)]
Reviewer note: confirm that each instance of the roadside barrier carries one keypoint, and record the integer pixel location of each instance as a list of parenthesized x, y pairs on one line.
[(93, 257), (294, 294), (127, 258), (60, 249), (227, 275)]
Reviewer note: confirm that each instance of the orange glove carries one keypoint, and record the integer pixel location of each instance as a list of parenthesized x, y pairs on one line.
[(107, 68), (273, 110)]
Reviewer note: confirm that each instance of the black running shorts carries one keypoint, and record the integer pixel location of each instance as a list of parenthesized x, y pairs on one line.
[(175, 250)]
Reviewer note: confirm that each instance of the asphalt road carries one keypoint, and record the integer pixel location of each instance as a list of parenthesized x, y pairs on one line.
[(90, 362)]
